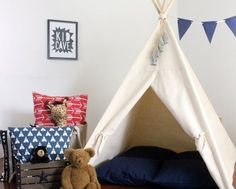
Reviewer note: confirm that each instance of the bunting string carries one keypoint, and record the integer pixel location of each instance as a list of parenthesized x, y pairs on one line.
[(209, 27)]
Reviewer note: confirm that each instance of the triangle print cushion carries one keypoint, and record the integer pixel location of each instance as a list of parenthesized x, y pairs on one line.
[(76, 109), (25, 139)]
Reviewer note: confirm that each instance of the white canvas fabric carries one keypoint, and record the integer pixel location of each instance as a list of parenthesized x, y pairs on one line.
[(175, 84)]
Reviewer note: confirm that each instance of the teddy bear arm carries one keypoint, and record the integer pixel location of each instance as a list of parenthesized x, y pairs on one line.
[(66, 178), (93, 176)]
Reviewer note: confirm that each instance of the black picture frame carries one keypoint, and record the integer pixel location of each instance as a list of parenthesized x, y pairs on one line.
[(62, 42)]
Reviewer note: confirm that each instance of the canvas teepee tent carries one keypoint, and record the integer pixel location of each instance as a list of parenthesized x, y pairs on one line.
[(164, 105)]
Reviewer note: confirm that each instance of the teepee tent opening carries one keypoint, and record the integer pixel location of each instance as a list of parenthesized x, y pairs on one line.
[(162, 103), (154, 125)]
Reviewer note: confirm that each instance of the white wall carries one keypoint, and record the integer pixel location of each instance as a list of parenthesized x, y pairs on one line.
[(111, 34), (215, 63)]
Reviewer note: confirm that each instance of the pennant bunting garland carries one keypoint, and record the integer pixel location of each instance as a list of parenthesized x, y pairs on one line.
[(183, 26), (231, 23), (209, 28)]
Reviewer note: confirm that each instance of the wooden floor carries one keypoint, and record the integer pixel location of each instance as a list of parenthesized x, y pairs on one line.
[(5, 185), (106, 186)]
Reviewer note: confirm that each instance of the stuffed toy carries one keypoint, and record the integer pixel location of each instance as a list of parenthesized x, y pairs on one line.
[(79, 175), (58, 111), (39, 155)]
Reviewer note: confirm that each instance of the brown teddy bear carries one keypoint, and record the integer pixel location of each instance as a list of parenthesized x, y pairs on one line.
[(79, 175)]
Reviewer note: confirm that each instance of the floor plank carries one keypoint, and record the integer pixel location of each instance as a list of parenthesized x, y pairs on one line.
[(5, 185), (109, 186)]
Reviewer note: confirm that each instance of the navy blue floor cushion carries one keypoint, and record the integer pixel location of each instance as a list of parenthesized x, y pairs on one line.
[(150, 152), (136, 166), (128, 171), (186, 170), (159, 167)]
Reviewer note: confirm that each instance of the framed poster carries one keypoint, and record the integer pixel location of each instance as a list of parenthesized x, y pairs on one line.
[(62, 39)]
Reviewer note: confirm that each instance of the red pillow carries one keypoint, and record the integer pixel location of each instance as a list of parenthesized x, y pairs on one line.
[(76, 109)]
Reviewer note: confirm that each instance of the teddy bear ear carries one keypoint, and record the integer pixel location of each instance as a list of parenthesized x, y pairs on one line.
[(64, 101), (68, 152), (90, 151), (49, 105)]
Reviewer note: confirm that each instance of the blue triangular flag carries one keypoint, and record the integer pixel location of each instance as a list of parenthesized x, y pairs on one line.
[(183, 25), (209, 28), (231, 23)]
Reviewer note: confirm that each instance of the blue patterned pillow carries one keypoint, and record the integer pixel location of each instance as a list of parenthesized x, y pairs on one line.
[(25, 139)]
